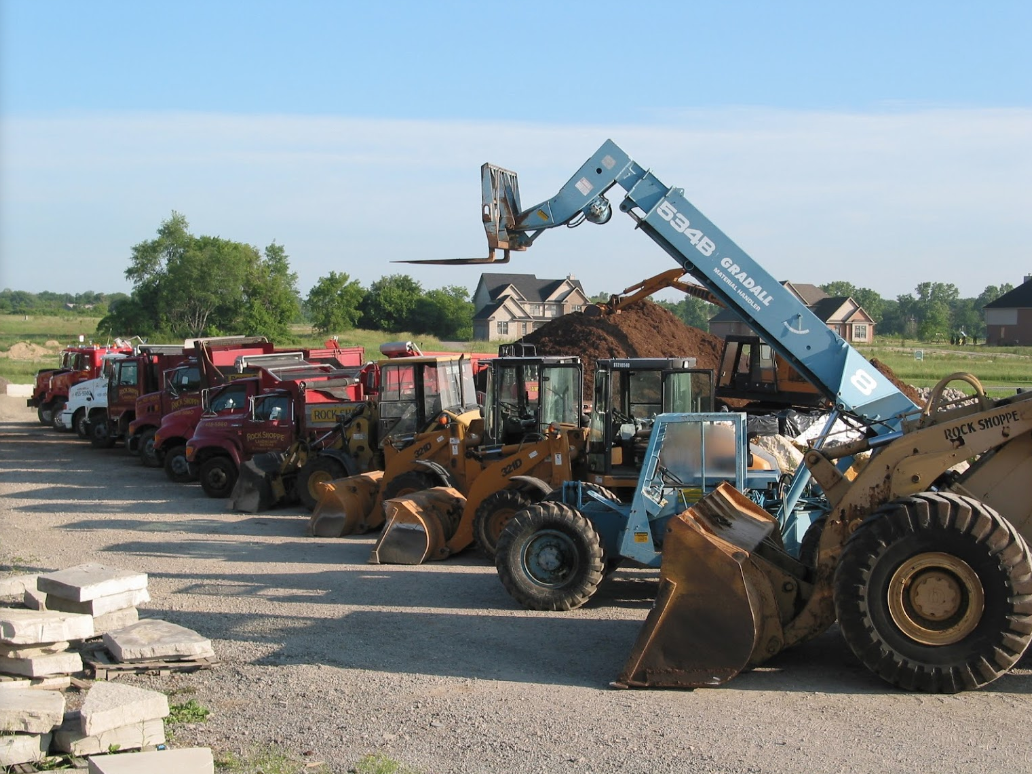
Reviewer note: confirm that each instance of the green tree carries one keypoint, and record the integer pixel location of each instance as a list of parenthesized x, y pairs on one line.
[(333, 303), (390, 303), (272, 300), (692, 311), (446, 313), (870, 300)]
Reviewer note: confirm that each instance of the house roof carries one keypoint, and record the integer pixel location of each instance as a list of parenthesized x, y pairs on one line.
[(528, 285), (828, 307), (1019, 298), (810, 294), (824, 306)]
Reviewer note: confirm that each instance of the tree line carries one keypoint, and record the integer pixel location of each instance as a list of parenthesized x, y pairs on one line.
[(189, 286), (933, 312)]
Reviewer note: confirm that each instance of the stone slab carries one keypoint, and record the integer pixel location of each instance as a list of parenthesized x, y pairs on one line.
[(192, 760), (23, 748), (49, 683), (13, 586), (153, 639), (89, 581), (111, 622), (34, 599), (27, 651), (33, 627), (113, 705), (25, 711), (69, 737), (101, 605), (64, 663)]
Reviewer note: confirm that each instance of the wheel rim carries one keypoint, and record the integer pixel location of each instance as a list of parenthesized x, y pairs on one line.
[(217, 478), (315, 482), (936, 599), (550, 558), (179, 464), (496, 524)]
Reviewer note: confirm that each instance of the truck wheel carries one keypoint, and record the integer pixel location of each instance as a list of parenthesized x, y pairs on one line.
[(99, 435), (931, 593), (55, 411), (81, 425), (176, 467), (493, 514), (148, 455), (407, 483), (218, 475), (549, 557), (45, 415), (316, 472)]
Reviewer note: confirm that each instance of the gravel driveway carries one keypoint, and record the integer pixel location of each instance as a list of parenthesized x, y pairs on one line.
[(434, 666)]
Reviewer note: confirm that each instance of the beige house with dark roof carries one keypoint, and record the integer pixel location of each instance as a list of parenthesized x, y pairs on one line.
[(509, 306), (840, 313), (1008, 319)]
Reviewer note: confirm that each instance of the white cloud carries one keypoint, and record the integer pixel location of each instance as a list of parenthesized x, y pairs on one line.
[(884, 201)]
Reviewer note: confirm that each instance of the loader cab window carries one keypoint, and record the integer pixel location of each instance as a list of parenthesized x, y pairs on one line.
[(688, 392), (694, 455), (560, 396), (454, 385), (398, 408)]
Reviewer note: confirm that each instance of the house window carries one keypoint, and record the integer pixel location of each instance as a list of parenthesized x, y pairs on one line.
[(503, 327), (859, 333), (535, 310), (578, 308)]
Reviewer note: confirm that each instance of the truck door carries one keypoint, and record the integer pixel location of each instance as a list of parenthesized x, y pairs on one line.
[(270, 426)]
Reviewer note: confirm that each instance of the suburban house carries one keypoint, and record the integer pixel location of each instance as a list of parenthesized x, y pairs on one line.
[(509, 306), (1008, 319), (840, 313)]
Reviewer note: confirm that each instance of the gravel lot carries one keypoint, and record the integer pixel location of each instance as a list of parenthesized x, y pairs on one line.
[(434, 666)]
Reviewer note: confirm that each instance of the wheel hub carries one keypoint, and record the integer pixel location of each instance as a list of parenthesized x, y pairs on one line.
[(550, 558), (936, 598)]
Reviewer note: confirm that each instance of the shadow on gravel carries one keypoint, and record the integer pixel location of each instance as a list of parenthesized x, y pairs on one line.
[(271, 525)]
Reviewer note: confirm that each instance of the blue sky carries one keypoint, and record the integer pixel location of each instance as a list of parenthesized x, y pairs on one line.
[(881, 143)]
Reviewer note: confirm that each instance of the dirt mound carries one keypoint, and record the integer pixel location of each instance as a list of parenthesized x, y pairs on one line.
[(906, 389), (24, 350), (644, 329), (3, 385), (51, 344)]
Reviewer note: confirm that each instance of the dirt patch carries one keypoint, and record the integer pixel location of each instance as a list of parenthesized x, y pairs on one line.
[(51, 344), (644, 329), (3, 385), (906, 389), (24, 350)]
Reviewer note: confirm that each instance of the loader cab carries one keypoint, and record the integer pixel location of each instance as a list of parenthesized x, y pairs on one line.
[(751, 370), (525, 395), (414, 391), (629, 394)]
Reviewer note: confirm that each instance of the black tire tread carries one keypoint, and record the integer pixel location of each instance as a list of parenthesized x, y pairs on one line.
[(550, 515), (927, 517), (511, 499)]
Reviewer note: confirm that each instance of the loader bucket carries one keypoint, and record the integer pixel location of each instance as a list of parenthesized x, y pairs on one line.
[(346, 505), (259, 484), (710, 615), (418, 526)]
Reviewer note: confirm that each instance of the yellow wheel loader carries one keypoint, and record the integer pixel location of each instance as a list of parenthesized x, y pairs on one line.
[(500, 482), (923, 559), (533, 404)]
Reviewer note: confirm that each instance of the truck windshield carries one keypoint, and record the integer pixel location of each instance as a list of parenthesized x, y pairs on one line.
[(183, 379)]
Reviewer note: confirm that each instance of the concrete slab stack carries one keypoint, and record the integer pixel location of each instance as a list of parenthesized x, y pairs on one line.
[(27, 718), (108, 594), (34, 645), (114, 717)]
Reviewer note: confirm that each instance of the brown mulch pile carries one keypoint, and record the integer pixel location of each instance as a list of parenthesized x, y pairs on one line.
[(644, 329), (889, 374)]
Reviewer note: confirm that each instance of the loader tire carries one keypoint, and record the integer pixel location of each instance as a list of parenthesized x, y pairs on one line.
[(100, 438), (407, 483), (317, 471), (218, 476), (811, 542), (148, 454), (549, 557), (934, 593), (176, 467), (81, 424), (494, 512)]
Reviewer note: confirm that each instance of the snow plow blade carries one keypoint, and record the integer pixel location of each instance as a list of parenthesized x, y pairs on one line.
[(348, 506), (259, 485), (715, 613), (418, 526)]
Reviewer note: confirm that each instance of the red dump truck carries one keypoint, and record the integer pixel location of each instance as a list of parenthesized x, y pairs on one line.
[(78, 363)]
